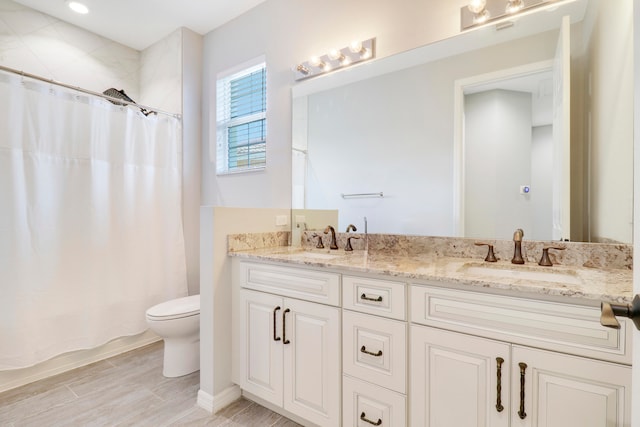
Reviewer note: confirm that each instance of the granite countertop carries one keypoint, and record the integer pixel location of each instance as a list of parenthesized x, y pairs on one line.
[(611, 285)]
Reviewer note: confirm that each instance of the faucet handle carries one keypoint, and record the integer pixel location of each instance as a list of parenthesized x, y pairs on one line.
[(491, 257), (545, 261), (319, 245), (348, 246)]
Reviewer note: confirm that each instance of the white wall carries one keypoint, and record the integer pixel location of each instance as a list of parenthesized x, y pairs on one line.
[(288, 32), (610, 58), (191, 156)]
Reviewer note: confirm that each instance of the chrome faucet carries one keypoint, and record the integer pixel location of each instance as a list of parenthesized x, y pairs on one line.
[(517, 253), (333, 244), (351, 227)]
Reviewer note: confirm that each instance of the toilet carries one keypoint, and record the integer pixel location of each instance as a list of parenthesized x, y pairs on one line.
[(178, 322)]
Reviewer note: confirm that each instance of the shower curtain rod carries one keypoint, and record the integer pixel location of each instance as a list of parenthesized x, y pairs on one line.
[(87, 91)]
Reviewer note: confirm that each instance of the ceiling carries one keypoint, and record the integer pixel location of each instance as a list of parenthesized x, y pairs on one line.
[(140, 23)]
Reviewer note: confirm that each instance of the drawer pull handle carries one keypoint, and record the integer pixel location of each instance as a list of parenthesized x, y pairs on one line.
[(365, 297), (284, 327), (521, 413), (499, 406), (364, 350), (275, 338), (364, 418)]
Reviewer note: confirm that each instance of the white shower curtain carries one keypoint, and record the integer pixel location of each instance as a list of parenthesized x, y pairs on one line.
[(90, 220)]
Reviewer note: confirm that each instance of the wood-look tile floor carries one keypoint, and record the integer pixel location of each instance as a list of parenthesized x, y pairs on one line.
[(125, 390)]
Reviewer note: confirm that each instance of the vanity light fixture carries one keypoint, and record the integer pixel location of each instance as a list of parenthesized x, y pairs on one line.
[(78, 7), (480, 12), (357, 51)]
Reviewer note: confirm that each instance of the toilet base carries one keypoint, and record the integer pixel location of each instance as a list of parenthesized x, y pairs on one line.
[(181, 356)]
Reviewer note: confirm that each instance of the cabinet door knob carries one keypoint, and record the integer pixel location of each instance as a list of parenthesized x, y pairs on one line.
[(610, 311), (364, 350), (275, 338), (364, 418), (284, 327)]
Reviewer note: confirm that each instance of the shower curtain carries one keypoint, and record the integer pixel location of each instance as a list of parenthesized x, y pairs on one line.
[(90, 219)]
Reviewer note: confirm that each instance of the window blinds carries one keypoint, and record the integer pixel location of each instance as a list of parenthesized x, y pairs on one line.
[(241, 120)]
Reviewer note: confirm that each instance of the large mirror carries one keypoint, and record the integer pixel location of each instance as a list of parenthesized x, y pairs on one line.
[(479, 134)]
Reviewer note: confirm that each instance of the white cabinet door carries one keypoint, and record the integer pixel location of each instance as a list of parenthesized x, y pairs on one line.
[(455, 380), (562, 390), (312, 356), (261, 345)]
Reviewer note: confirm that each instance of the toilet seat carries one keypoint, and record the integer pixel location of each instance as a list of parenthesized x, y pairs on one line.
[(175, 309)]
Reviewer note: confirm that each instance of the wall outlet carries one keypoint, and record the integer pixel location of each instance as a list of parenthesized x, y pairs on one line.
[(282, 220), (300, 219)]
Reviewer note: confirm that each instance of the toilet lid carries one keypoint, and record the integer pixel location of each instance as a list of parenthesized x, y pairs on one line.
[(179, 307)]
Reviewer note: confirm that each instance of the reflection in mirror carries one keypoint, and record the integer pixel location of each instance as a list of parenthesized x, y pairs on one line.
[(508, 156), (390, 127)]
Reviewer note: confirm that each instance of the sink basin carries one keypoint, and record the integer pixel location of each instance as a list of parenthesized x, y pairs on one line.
[(318, 255), (521, 273)]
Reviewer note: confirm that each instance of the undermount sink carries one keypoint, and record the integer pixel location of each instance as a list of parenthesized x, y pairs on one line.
[(521, 273), (318, 255)]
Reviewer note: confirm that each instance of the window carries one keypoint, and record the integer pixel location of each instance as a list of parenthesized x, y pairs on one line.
[(241, 120)]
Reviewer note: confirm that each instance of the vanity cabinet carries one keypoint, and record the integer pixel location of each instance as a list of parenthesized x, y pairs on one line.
[(461, 379), (289, 348), (339, 349)]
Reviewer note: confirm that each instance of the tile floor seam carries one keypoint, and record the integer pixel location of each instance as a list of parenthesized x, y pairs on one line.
[(177, 417), (276, 421), (242, 411), (71, 390)]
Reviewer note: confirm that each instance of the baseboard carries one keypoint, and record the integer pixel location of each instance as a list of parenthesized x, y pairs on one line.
[(76, 359), (213, 404)]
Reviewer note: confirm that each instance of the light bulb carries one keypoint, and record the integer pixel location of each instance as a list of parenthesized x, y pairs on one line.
[(355, 46), (514, 6), (481, 17), (335, 55), (477, 6), (316, 62), (78, 7), (365, 53)]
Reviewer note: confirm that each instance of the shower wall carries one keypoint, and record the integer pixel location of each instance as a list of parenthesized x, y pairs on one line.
[(41, 44)]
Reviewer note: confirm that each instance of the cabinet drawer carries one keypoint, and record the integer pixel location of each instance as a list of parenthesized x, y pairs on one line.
[(374, 350), (298, 283), (554, 326), (380, 297), (362, 401)]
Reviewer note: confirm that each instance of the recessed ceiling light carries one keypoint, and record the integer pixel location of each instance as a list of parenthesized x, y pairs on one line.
[(78, 7)]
